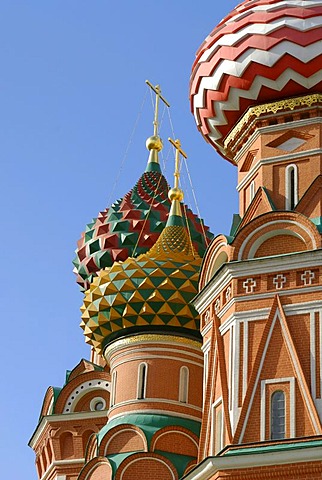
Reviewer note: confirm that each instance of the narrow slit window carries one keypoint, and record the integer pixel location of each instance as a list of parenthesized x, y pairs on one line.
[(114, 378), (142, 381), (184, 385), (291, 187), (278, 415)]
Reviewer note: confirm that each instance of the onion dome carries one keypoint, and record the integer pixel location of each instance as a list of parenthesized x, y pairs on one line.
[(263, 50), (132, 225), (150, 292)]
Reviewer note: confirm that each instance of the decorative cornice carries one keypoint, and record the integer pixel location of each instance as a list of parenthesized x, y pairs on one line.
[(66, 417), (210, 466), (252, 267), (274, 107), (149, 338)]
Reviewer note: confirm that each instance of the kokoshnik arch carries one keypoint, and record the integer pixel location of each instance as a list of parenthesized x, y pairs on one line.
[(207, 352)]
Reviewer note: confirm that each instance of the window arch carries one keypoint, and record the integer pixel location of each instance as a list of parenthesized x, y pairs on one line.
[(142, 377), (278, 415), (184, 384), (291, 187)]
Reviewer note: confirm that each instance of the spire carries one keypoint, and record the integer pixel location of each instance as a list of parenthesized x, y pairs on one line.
[(176, 194), (154, 143), (174, 241)]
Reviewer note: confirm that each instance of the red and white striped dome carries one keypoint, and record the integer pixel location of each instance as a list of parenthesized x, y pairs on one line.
[(262, 51)]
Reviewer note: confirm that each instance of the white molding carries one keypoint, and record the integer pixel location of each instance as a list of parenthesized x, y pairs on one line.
[(74, 416), (137, 401), (312, 355), (58, 463), (137, 352), (143, 356), (277, 159), (83, 389), (256, 266), (292, 416), (273, 129), (207, 469), (156, 411), (259, 241), (245, 359)]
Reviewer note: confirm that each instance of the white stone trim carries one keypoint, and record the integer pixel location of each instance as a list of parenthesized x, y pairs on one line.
[(292, 415), (83, 389), (157, 411), (94, 401), (207, 469), (271, 234), (278, 159), (312, 354), (245, 358), (74, 417), (137, 401), (252, 267), (142, 356), (58, 463)]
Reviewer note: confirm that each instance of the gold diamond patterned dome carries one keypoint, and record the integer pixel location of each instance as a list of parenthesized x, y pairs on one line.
[(149, 293)]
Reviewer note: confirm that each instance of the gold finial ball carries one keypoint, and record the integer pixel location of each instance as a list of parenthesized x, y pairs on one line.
[(175, 194), (154, 143)]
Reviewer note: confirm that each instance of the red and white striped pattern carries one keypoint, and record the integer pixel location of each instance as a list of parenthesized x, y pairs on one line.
[(262, 51)]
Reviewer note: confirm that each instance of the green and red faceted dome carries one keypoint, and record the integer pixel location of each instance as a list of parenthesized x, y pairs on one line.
[(130, 227), (263, 50)]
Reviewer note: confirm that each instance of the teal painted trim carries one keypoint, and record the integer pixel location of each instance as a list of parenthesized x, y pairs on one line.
[(273, 448), (180, 462), (150, 424), (153, 167), (175, 220), (269, 199), (317, 222), (235, 224), (229, 239)]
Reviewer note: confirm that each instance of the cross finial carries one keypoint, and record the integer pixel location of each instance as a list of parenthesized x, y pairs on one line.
[(157, 91), (177, 146)]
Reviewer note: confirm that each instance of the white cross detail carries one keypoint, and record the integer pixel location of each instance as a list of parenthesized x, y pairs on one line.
[(249, 285), (228, 294), (279, 281), (217, 305), (307, 277), (207, 316)]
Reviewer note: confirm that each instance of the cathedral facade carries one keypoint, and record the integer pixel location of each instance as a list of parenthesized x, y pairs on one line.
[(207, 352)]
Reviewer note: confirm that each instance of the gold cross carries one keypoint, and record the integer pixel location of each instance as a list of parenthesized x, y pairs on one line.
[(177, 146), (157, 91)]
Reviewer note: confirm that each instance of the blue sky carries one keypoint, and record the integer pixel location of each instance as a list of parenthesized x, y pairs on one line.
[(72, 82)]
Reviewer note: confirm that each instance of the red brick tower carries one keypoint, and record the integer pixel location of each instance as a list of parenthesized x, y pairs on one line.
[(255, 96)]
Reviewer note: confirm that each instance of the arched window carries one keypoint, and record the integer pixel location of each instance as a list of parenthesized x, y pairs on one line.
[(291, 187), (142, 375), (113, 392), (278, 415), (184, 384)]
